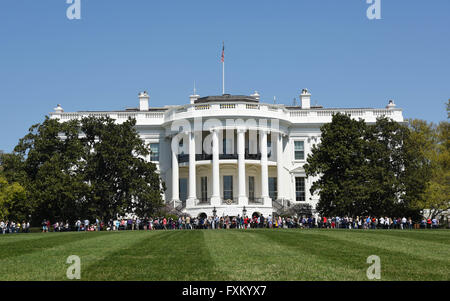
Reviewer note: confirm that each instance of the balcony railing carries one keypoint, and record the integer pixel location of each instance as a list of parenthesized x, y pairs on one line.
[(183, 158), (256, 156), (256, 201), (204, 201), (230, 201), (202, 157), (228, 156)]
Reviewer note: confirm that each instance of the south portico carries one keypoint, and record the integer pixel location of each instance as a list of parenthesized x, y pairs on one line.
[(232, 173)]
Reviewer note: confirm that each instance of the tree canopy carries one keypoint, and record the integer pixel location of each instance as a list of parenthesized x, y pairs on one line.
[(88, 168), (367, 169)]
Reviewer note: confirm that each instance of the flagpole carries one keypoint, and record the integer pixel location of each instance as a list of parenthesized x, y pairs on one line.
[(223, 68), (223, 77)]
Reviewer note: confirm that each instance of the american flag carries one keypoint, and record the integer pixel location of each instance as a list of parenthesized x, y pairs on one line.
[(223, 53)]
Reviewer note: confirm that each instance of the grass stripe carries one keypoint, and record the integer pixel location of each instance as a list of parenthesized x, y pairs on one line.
[(50, 263), (352, 255), (167, 255), (410, 246), (249, 255), (46, 241)]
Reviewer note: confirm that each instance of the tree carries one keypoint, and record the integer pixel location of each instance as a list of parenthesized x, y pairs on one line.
[(12, 200), (93, 168), (397, 167), (365, 169), (120, 180), (435, 198), (50, 157), (340, 163)]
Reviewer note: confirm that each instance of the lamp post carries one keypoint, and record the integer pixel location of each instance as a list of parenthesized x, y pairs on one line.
[(214, 211), (244, 211)]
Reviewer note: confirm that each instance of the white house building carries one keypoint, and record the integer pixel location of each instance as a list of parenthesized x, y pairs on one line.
[(232, 154)]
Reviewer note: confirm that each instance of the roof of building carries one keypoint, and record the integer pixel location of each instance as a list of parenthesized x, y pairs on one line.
[(227, 98)]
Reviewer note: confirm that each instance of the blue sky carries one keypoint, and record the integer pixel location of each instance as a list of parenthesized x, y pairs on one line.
[(120, 48)]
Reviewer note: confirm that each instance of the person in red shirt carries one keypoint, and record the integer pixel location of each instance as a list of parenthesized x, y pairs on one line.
[(429, 223), (164, 223)]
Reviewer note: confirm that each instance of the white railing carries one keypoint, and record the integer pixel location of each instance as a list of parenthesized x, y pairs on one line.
[(228, 106), (126, 115), (382, 112), (202, 107), (251, 106), (298, 114), (264, 111), (154, 115)]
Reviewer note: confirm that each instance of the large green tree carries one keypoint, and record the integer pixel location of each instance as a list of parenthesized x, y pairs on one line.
[(89, 168), (340, 164), (49, 155), (398, 167), (367, 169), (436, 197), (120, 179)]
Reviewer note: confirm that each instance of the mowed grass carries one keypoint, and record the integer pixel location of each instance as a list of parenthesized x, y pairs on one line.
[(257, 254)]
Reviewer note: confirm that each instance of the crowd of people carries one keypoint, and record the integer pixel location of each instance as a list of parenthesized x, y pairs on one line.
[(226, 222), (7, 227)]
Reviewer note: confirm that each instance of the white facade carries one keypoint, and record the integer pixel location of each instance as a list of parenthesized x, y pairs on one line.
[(233, 154)]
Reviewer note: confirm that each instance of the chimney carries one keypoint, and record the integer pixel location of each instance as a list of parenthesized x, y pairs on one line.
[(256, 95), (305, 99), (58, 109), (143, 101), (194, 97), (391, 105)]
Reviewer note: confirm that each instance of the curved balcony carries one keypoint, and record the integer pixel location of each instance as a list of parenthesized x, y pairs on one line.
[(184, 158)]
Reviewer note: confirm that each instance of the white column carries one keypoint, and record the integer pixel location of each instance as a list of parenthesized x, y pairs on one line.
[(175, 178), (192, 174), (215, 197), (264, 167), (243, 199), (279, 164)]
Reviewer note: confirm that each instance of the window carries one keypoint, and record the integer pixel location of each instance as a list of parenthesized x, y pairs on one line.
[(269, 148), (251, 188), (204, 189), (183, 189), (227, 146), (154, 152), (299, 150), (227, 187), (181, 147), (273, 188), (300, 189)]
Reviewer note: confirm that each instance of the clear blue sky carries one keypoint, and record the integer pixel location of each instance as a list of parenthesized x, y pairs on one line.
[(121, 47)]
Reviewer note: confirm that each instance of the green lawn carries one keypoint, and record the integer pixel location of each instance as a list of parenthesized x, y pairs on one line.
[(228, 255)]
